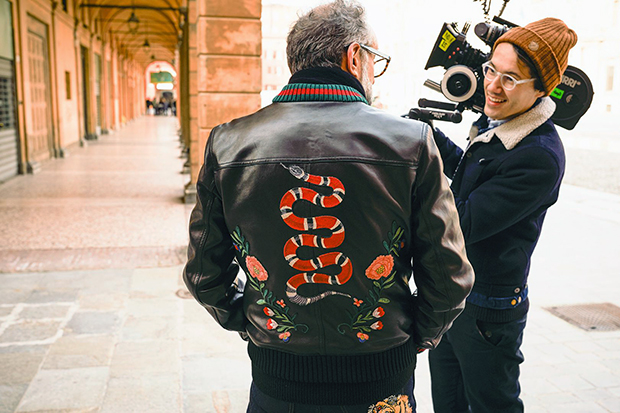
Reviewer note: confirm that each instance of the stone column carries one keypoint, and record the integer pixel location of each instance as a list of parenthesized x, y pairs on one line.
[(225, 70)]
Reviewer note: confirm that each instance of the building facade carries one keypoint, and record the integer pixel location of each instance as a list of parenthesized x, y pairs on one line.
[(71, 70)]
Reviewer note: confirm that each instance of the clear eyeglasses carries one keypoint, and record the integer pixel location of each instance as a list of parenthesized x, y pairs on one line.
[(382, 61), (508, 82)]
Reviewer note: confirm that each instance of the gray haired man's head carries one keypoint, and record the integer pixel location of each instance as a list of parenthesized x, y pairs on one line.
[(320, 37)]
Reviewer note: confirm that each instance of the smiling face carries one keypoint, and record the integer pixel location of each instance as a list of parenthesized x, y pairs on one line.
[(501, 104)]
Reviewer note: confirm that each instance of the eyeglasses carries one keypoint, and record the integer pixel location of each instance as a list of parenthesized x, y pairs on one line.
[(382, 61), (508, 82)]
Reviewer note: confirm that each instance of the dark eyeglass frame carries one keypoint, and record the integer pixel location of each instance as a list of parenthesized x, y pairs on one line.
[(381, 57), (502, 76)]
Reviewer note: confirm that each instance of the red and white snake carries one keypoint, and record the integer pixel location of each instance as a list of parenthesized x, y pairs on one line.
[(309, 267)]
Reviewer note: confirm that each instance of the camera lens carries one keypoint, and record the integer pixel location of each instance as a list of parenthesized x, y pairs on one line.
[(458, 84)]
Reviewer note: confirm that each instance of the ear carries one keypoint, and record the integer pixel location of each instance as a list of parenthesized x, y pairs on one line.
[(352, 61)]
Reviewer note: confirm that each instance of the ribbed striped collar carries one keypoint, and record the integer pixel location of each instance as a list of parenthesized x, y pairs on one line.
[(308, 92)]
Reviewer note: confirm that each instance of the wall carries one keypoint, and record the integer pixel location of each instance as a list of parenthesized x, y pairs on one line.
[(225, 70), (68, 111)]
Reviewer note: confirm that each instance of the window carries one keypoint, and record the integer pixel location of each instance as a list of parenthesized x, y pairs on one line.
[(65, 7), (610, 79)]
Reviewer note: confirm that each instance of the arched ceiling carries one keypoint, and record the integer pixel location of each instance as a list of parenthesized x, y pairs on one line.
[(159, 25)]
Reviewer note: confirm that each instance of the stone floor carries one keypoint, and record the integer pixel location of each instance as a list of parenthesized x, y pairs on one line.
[(115, 202), (93, 315)]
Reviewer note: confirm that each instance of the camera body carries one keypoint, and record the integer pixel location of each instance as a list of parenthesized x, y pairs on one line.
[(463, 81)]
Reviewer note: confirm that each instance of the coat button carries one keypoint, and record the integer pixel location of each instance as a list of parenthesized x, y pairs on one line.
[(517, 290), (469, 155)]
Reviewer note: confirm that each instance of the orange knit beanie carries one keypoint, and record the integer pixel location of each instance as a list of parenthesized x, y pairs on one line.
[(547, 43)]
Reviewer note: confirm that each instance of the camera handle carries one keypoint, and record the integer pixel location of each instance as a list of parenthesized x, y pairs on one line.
[(429, 115), (443, 111)]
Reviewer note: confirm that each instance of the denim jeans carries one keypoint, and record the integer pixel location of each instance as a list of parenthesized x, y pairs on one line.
[(261, 403), (475, 368)]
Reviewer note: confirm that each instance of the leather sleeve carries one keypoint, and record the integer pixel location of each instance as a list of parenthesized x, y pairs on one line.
[(211, 272), (443, 275)]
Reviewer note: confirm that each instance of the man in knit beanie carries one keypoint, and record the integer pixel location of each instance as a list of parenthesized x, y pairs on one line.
[(503, 184)]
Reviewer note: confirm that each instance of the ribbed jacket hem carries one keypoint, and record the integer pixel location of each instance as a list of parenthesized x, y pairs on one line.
[(332, 380)]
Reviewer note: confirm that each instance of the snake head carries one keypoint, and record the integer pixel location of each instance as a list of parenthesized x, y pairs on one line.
[(295, 170)]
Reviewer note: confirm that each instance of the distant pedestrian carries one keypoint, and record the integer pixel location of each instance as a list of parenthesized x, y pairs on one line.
[(504, 182), (328, 205)]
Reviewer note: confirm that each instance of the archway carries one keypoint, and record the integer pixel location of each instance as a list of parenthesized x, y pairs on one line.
[(161, 88)]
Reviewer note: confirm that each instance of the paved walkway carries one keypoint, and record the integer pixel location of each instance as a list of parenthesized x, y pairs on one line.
[(115, 203), (108, 334)]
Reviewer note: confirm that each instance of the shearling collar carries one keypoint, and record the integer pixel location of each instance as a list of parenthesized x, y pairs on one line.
[(513, 131)]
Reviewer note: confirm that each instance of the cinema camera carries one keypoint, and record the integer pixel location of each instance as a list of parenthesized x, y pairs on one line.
[(463, 81)]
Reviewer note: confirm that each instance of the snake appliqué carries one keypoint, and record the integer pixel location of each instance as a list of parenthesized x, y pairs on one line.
[(304, 225)]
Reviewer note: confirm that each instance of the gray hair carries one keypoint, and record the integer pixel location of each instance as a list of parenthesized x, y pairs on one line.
[(319, 37)]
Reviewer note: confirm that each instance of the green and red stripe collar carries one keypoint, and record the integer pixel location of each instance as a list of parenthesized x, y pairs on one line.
[(308, 92)]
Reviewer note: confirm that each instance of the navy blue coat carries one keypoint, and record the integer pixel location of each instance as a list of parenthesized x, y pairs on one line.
[(503, 185)]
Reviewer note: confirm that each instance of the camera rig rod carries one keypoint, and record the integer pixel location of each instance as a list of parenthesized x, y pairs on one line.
[(427, 103), (431, 84)]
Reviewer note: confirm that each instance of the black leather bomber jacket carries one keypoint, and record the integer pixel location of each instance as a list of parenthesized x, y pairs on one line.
[(380, 178), (329, 208)]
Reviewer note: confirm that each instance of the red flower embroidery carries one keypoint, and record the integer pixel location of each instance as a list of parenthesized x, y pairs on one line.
[(256, 269), (380, 267), (285, 336), (362, 337), (268, 311), (377, 326), (281, 303), (272, 324), (378, 313), (357, 302)]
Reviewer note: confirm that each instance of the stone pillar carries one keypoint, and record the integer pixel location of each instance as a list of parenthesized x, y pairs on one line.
[(225, 70)]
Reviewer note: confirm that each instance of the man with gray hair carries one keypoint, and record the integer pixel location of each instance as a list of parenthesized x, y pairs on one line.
[(328, 205)]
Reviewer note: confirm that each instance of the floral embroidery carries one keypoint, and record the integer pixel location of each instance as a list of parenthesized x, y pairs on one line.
[(377, 326), (380, 267), (280, 321), (256, 269), (364, 317), (393, 404), (271, 324)]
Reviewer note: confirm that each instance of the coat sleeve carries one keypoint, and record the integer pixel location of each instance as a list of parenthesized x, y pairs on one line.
[(450, 152), (211, 271), (520, 186), (442, 273)]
